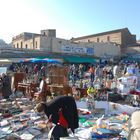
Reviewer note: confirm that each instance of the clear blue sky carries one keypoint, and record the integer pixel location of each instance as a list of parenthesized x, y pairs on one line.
[(70, 18)]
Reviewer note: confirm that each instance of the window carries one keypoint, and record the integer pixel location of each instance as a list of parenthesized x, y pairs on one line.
[(36, 44), (17, 45), (108, 38), (26, 46), (98, 40), (21, 44), (88, 40)]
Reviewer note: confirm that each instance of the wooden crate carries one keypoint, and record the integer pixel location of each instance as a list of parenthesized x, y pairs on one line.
[(58, 75), (18, 77)]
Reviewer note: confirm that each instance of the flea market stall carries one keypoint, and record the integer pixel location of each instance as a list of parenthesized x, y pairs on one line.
[(18, 120), (56, 76)]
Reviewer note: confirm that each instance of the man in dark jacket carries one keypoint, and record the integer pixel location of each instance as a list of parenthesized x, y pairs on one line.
[(69, 110), (6, 88)]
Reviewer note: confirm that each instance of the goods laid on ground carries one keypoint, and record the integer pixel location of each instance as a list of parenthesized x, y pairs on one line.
[(103, 113), (18, 120), (107, 120)]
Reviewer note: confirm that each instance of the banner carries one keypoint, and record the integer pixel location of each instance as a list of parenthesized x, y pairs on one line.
[(3, 70), (77, 50)]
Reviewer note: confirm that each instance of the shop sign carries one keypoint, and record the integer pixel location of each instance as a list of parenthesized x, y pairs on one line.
[(77, 50)]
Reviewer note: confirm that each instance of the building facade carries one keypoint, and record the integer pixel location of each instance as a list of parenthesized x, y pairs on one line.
[(122, 37), (47, 42), (92, 49), (32, 40)]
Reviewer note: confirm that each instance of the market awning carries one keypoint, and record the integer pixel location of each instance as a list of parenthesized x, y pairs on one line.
[(45, 60), (74, 59), (5, 61)]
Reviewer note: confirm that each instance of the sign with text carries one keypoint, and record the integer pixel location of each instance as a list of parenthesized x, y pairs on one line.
[(3, 70), (77, 50)]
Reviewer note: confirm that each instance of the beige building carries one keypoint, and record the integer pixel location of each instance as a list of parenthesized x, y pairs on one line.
[(138, 41), (101, 49), (34, 41), (133, 50), (122, 37), (47, 41)]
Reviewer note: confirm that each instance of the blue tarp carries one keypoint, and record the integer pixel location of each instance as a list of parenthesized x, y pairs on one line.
[(46, 60)]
